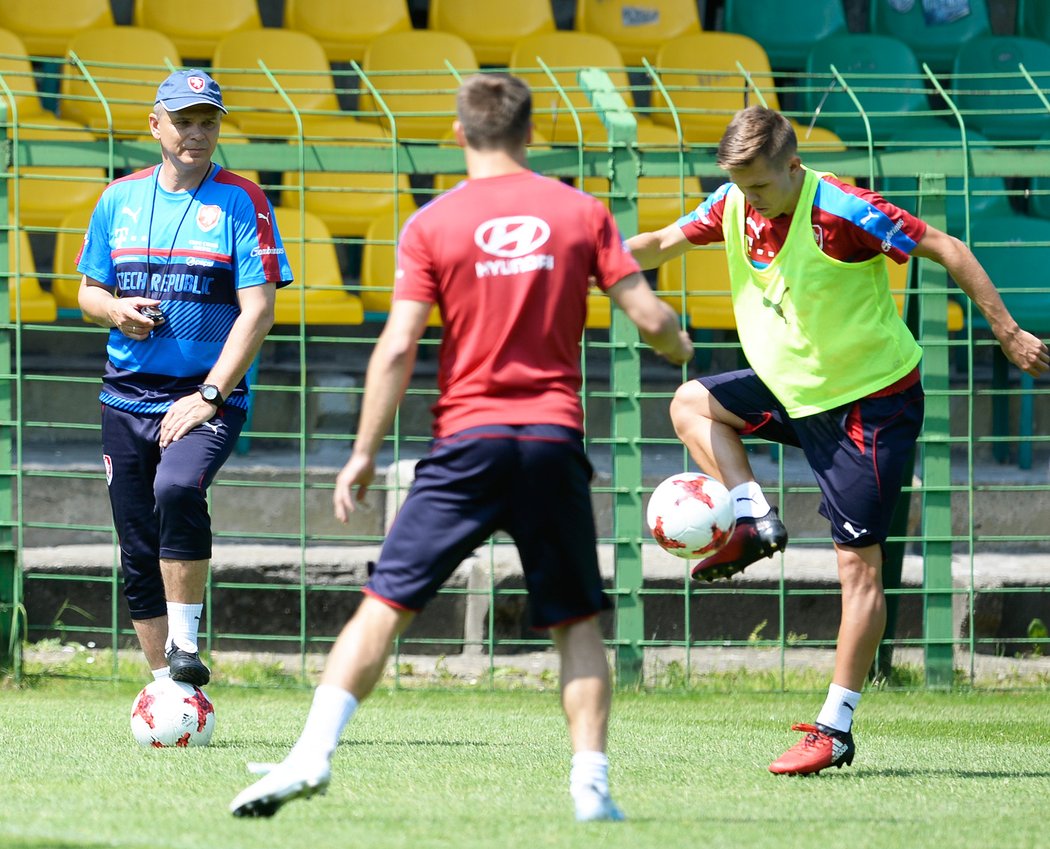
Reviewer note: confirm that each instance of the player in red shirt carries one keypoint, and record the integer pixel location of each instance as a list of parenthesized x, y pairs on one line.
[(506, 256)]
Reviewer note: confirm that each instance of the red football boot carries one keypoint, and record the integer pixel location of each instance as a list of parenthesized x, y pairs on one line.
[(820, 748), (752, 540)]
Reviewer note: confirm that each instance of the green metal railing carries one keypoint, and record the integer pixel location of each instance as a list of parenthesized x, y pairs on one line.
[(277, 548)]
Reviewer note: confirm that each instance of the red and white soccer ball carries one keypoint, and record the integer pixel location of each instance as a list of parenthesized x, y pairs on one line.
[(170, 713), (690, 515)]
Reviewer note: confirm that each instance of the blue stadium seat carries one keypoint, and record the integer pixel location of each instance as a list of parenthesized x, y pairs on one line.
[(993, 94), (934, 41), (787, 38), (1033, 19), (984, 196), (884, 75)]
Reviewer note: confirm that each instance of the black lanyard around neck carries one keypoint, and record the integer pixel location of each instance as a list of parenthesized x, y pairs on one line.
[(174, 239)]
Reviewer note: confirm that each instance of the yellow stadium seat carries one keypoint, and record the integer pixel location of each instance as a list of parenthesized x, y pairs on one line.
[(424, 104), (638, 29), (661, 200), (68, 240), (129, 91), (599, 310), (318, 282), (230, 135), (702, 295), (378, 266), (29, 302), (348, 202), (704, 84), (46, 29), (196, 35), (45, 194), (565, 52), (346, 29), (17, 72), (491, 29), (256, 107)]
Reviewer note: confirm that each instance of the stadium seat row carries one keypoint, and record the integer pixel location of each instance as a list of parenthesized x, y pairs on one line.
[(996, 82), (933, 31)]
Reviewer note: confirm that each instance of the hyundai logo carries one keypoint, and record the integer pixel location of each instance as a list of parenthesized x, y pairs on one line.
[(513, 236)]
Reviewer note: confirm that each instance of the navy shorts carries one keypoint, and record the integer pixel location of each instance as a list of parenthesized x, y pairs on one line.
[(159, 498), (532, 481), (859, 452)]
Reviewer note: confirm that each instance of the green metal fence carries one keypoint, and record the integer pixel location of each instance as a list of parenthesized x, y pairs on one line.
[(967, 569)]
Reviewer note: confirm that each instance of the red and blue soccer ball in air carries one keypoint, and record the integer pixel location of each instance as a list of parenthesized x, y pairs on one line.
[(170, 713), (690, 515)]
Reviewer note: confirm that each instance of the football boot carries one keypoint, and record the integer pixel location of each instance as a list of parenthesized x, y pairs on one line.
[(187, 667), (295, 778), (751, 540), (820, 748)]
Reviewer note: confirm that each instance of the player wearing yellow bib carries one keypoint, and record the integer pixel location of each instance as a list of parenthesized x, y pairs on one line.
[(833, 370)]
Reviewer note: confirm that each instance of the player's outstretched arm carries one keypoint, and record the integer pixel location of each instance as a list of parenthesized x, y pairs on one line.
[(657, 323), (657, 247), (1023, 349)]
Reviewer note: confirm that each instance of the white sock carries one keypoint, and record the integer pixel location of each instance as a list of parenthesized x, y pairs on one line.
[(590, 770), (183, 623), (163, 672), (838, 708), (748, 501), (331, 710)]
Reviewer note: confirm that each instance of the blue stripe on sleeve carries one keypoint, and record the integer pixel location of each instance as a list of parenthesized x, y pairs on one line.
[(835, 201), (702, 212)]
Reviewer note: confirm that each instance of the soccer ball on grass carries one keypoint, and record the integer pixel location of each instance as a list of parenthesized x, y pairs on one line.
[(690, 515), (171, 713)]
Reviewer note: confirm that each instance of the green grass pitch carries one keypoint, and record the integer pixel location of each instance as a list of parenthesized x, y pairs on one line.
[(460, 768)]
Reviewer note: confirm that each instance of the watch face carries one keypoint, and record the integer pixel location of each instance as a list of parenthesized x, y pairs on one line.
[(210, 393)]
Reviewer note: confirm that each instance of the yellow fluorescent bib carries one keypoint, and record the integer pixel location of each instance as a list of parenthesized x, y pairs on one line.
[(819, 332)]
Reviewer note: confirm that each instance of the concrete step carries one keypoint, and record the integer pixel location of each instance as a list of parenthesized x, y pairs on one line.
[(271, 496), (256, 592)]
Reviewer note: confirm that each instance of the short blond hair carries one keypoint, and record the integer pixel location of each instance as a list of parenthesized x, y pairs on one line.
[(756, 132)]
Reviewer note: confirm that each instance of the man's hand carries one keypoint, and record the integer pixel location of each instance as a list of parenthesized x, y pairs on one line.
[(359, 471), (183, 416), (682, 353), (126, 316), (1029, 353)]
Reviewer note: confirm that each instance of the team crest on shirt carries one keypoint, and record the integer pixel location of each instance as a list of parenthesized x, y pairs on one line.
[(208, 216)]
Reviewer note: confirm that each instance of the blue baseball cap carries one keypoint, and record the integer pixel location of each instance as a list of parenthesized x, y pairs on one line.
[(183, 89)]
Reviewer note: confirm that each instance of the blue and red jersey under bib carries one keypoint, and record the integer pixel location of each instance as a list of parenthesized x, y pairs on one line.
[(849, 224)]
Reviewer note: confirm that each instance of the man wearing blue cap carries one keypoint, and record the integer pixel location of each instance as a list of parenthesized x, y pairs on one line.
[(181, 261)]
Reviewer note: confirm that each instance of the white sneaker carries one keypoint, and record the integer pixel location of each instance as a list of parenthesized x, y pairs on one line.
[(283, 782), (597, 807)]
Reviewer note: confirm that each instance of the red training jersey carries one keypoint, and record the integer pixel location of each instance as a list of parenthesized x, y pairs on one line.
[(507, 261), (849, 223)]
